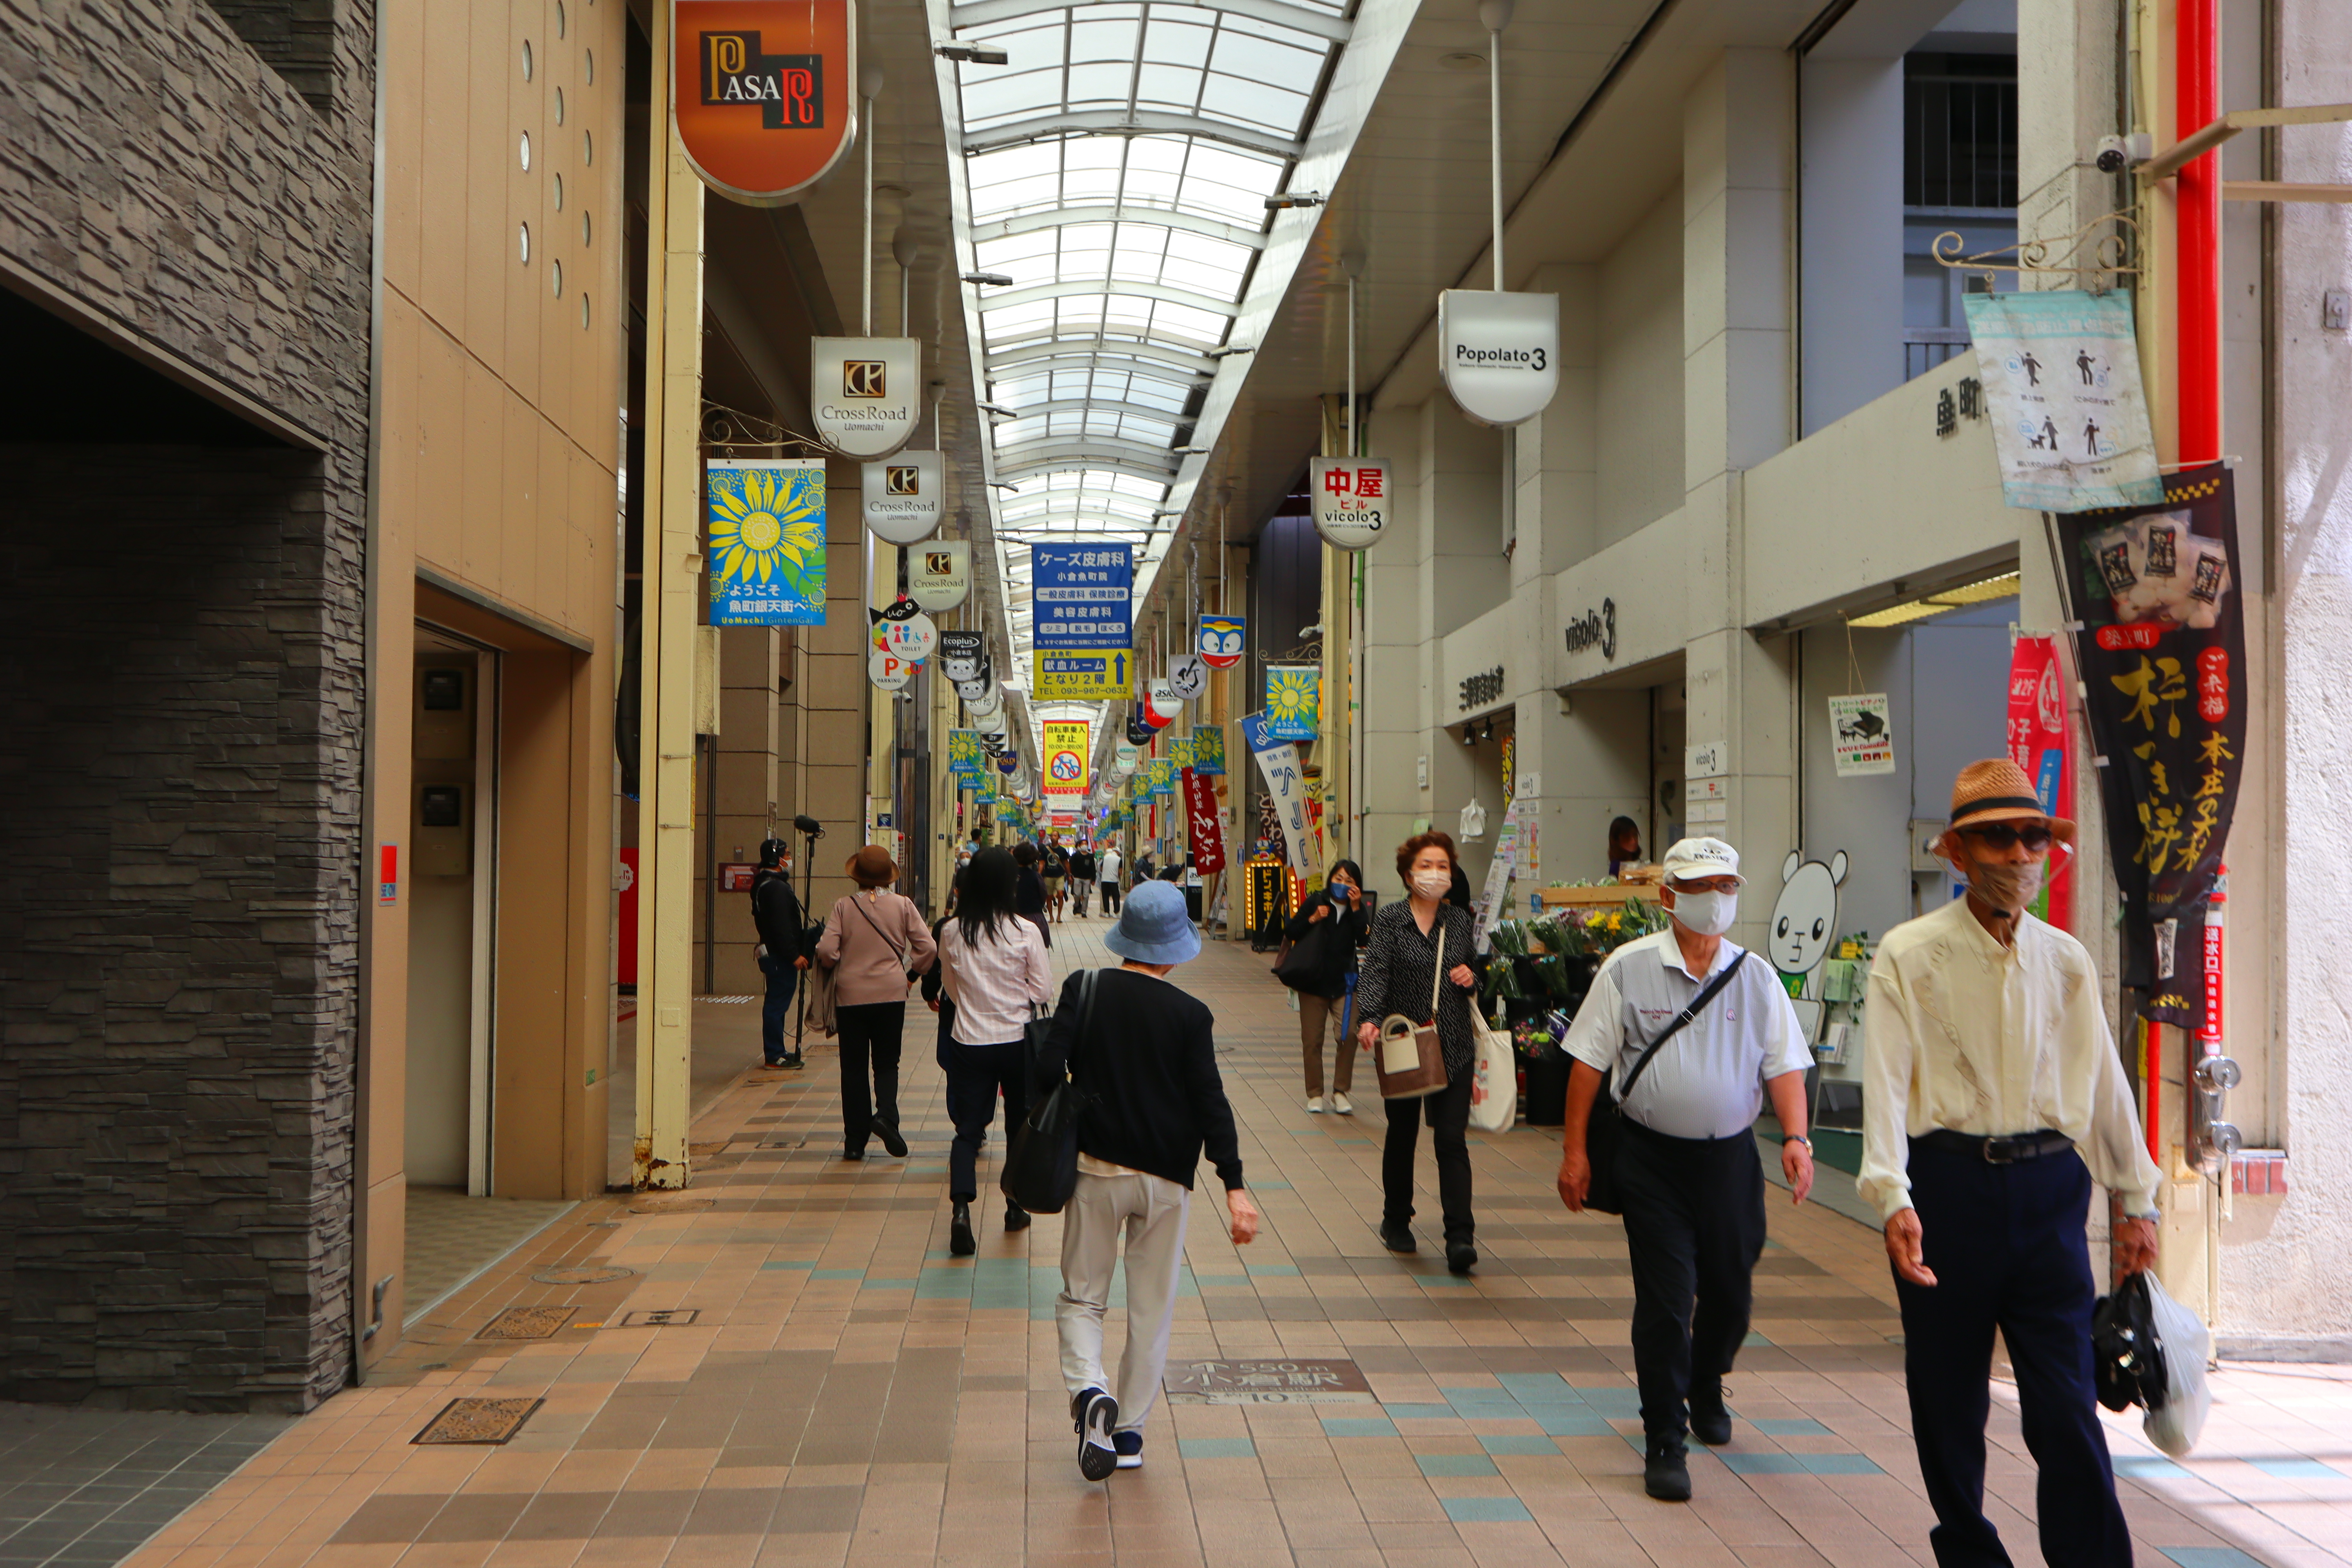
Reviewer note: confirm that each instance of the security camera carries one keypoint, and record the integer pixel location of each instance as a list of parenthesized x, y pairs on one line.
[(2110, 159), (2117, 154)]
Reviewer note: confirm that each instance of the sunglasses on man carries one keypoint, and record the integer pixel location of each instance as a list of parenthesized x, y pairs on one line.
[(2034, 835)]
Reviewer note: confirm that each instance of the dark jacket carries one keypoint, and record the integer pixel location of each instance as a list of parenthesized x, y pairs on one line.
[(1393, 976), (1335, 937), (1028, 891), (1082, 864), (776, 912), (1149, 1062)]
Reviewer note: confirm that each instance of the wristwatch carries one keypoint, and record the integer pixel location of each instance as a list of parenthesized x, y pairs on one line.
[(1794, 1139)]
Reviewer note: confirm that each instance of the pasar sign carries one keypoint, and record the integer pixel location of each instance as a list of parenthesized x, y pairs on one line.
[(762, 95)]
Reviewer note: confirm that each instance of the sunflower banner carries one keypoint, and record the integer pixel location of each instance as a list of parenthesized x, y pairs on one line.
[(765, 521), (1294, 701)]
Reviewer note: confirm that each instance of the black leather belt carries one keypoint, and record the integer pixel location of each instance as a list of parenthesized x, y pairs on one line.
[(2005, 1150)]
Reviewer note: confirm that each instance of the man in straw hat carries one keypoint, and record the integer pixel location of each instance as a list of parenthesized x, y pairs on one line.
[(1992, 1098)]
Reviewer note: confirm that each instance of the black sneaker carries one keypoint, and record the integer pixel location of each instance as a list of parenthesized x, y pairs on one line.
[(1397, 1236), (1665, 1471), (891, 1139), (1015, 1218), (1097, 1451), (1710, 1422), (1460, 1257), (959, 1241), (849, 1154), (1131, 1449)]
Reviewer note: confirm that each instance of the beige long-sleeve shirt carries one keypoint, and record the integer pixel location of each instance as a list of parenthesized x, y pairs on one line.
[(1963, 1033)]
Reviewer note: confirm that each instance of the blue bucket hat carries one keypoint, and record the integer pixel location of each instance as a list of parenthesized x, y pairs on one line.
[(1154, 927)]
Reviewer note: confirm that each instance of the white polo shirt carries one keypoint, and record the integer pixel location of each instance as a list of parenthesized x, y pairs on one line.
[(1708, 1080)]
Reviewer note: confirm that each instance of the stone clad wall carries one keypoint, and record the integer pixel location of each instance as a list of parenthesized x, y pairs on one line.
[(180, 713)]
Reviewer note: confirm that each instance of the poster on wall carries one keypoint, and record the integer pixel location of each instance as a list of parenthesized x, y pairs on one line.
[(1862, 734), (764, 541), (2037, 742), (2061, 375), (762, 95), (1294, 700), (2161, 653)]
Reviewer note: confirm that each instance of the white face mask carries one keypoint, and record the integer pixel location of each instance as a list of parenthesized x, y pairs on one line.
[(1432, 884), (1708, 914)]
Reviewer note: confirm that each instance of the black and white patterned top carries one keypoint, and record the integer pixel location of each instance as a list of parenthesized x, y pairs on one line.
[(1394, 975)]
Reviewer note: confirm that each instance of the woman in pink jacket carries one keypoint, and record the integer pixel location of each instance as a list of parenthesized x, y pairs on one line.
[(875, 943)]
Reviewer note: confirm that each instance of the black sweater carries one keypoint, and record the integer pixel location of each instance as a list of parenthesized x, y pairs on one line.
[(1149, 1059)]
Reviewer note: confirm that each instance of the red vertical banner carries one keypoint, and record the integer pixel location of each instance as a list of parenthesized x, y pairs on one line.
[(2037, 742), (1207, 835)]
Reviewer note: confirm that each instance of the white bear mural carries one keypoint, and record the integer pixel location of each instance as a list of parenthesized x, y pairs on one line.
[(1803, 924)]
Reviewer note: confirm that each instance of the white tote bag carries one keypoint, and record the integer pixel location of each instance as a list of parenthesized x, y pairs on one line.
[(1494, 1075)]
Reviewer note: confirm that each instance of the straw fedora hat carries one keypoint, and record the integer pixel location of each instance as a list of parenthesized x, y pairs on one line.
[(871, 867), (1997, 790)]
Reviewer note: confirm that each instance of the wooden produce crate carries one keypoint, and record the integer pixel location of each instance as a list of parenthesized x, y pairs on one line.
[(1606, 896)]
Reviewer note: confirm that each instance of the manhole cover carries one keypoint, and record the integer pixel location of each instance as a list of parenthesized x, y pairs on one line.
[(1286, 1380), (477, 1421), (590, 1275), (526, 1323)]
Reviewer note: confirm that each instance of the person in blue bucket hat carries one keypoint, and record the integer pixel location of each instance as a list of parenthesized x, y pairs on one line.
[(1145, 1055)]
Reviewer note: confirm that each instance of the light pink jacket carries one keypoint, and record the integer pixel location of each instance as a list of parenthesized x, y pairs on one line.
[(866, 937)]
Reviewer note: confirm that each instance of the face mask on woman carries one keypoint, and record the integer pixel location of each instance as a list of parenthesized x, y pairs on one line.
[(1708, 914), (1432, 884)]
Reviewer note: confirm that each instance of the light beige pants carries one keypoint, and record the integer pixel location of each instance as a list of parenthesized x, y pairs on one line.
[(1319, 1017), (1152, 1211)]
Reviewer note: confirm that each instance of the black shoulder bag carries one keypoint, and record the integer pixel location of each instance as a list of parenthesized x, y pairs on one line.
[(1603, 1128), (1041, 1167)]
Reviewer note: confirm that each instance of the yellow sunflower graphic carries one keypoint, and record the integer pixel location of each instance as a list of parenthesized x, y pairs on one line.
[(767, 526)]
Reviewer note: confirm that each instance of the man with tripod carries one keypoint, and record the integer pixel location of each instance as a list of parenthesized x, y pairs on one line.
[(782, 947)]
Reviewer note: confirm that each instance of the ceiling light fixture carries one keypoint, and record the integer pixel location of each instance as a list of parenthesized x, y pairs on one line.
[(989, 280), (972, 54), (1281, 199), (1919, 609)]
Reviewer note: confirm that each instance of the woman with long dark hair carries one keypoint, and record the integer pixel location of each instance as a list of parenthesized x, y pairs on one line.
[(1414, 942), (996, 969), (1029, 888)]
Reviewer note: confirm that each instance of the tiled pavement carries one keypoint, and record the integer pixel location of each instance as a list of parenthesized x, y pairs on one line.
[(849, 1392), (83, 1488)]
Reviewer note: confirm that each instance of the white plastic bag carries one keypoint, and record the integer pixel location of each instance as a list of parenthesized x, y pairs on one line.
[(2175, 1425), (1493, 1077)]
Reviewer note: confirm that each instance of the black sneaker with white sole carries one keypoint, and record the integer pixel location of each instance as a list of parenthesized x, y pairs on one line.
[(1131, 1449), (1097, 1414)]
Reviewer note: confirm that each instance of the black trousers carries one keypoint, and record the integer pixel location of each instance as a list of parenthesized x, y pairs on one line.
[(976, 1074), (2006, 1245), (1693, 1211), (1448, 1115), (870, 1030), (1111, 898)]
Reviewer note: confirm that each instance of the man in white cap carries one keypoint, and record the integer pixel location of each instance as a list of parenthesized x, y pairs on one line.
[(1992, 1098), (1696, 1037)]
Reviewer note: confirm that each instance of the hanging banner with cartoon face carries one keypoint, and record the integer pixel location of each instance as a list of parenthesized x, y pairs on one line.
[(963, 659), (1350, 496), (887, 670), (902, 497), (1221, 639), (1499, 353), (866, 394), (763, 99), (938, 575), (987, 705), (1188, 677)]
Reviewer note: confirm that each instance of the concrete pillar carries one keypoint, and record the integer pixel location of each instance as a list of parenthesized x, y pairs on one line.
[(1395, 675), (1849, 245), (1737, 166)]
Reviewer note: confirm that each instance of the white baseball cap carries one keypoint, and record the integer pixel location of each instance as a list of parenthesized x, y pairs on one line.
[(1692, 859)]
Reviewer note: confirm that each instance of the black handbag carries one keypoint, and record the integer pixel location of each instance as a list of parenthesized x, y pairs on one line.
[(1603, 1128), (1301, 964), (1041, 1167)]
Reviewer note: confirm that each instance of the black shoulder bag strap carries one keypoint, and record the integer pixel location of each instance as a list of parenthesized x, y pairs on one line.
[(895, 951), (1698, 1006)]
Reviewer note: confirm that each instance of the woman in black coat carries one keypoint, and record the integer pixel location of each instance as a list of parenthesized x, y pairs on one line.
[(1324, 935), (1422, 944)]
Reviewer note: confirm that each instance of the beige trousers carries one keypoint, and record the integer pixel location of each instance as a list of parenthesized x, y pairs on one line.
[(1317, 1016), (1152, 1211)]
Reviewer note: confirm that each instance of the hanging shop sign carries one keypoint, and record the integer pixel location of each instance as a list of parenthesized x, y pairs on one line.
[(2037, 742), (938, 575), (1350, 496), (1162, 780), (1162, 706), (912, 637), (2061, 374), (866, 395), (1188, 677), (902, 496), (2161, 653), (765, 542), (1286, 792), (1294, 700), (989, 704), (1080, 677), (1499, 352), (1008, 762), (1065, 756), (762, 100), (1221, 639), (1204, 830), (1862, 734), (1209, 751), (1125, 755), (887, 670), (965, 760), (1139, 729), (964, 658), (1080, 596)]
